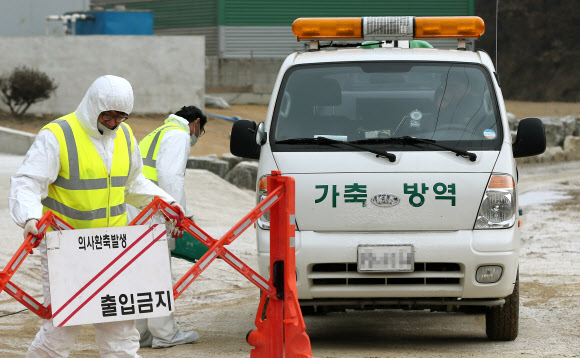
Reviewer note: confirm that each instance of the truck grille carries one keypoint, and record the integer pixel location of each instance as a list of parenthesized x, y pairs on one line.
[(425, 273)]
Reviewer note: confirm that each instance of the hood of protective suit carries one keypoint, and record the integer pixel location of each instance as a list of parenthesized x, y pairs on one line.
[(107, 93), (178, 121)]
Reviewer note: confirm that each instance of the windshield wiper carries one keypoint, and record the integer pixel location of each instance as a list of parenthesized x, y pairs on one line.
[(414, 140), (323, 140)]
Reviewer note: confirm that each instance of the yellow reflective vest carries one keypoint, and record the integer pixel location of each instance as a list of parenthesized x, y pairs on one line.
[(149, 147), (84, 194)]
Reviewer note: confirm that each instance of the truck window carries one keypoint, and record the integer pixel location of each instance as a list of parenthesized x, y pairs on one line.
[(452, 103)]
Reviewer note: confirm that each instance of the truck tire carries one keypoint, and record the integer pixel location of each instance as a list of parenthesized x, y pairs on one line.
[(501, 322)]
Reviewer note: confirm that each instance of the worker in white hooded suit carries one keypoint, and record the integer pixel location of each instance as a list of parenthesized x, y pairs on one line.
[(165, 151), (84, 167)]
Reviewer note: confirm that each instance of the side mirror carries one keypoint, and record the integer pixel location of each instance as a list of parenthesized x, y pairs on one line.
[(261, 135), (530, 139), (243, 139)]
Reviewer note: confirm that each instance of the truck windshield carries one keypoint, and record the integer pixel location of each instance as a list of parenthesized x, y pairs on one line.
[(451, 103)]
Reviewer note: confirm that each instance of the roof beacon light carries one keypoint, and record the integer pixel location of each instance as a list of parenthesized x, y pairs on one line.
[(388, 28), (449, 27), (327, 28)]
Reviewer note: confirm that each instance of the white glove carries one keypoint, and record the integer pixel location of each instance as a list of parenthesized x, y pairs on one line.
[(30, 228)]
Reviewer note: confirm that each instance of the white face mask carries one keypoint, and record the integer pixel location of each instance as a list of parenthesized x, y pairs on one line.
[(193, 140), (104, 130)]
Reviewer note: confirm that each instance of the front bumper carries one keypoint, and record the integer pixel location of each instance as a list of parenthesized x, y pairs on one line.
[(445, 264)]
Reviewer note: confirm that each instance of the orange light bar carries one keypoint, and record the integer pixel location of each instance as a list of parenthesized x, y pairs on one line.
[(449, 27), (327, 28), (501, 182)]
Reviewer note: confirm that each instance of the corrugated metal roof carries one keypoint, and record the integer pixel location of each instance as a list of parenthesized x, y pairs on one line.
[(277, 42), (262, 28), (284, 12), (210, 33), (115, 2), (178, 13), (198, 13), (258, 41)]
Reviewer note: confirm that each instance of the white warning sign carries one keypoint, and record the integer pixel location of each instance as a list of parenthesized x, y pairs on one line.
[(109, 274)]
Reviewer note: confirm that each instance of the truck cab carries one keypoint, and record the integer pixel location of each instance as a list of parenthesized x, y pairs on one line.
[(404, 164)]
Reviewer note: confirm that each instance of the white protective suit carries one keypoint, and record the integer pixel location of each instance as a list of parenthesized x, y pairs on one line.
[(30, 185), (174, 149)]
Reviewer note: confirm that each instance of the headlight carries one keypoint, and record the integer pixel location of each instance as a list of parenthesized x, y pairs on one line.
[(498, 207), (262, 193)]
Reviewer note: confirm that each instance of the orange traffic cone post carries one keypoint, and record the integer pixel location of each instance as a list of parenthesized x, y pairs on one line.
[(280, 326)]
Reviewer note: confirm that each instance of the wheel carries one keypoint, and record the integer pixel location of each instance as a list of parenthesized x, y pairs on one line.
[(501, 322), (248, 334)]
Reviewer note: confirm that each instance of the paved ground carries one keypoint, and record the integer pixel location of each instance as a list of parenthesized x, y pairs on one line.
[(221, 305)]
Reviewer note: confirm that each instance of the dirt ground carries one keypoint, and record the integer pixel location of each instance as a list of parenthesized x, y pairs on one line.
[(216, 140)]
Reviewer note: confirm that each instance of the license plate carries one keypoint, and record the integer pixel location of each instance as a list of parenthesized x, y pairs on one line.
[(386, 258)]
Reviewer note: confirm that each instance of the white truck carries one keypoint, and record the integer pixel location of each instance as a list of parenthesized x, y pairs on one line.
[(406, 182)]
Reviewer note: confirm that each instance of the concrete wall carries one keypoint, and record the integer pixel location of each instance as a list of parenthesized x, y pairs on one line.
[(166, 72), (242, 81)]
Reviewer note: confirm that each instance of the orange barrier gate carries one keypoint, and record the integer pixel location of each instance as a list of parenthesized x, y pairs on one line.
[(282, 331), (48, 219)]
